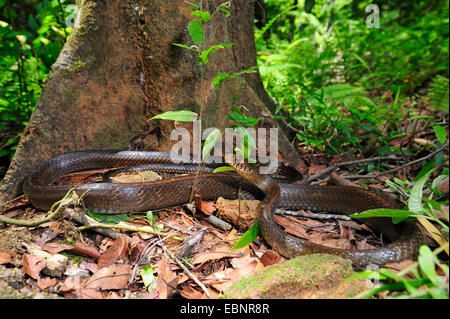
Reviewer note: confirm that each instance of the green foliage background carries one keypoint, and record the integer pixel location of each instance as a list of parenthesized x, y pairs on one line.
[(325, 68), (32, 35), (329, 71)]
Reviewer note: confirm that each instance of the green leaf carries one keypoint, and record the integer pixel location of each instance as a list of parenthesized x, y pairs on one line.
[(150, 215), (440, 133), (222, 77), (241, 118), (109, 219), (248, 236), (203, 57), (180, 116), (425, 169), (383, 212), (415, 199), (148, 276), (196, 32), (427, 265), (219, 79), (223, 169), (210, 142), (202, 16)]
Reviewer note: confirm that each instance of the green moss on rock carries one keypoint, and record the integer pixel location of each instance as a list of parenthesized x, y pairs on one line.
[(310, 276)]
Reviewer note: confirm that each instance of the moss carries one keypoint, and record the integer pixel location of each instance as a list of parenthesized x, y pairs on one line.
[(311, 274), (75, 67)]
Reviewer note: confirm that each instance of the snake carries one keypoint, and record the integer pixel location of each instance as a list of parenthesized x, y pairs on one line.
[(115, 198)]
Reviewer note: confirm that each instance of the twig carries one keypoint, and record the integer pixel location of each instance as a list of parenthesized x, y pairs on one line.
[(312, 215), (400, 167), (336, 165), (130, 228), (79, 216), (70, 199), (187, 271)]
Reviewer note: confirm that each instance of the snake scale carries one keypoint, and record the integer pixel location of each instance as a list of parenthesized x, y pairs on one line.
[(115, 198)]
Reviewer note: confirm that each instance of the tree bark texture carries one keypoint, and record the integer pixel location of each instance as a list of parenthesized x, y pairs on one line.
[(119, 68)]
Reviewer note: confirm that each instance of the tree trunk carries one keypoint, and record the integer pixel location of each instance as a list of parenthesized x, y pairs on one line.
[(119, 68)]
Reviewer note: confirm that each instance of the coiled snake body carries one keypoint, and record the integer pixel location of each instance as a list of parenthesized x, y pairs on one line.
[(115, 198)]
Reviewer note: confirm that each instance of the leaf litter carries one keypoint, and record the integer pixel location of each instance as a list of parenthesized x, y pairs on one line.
[(103, 268)]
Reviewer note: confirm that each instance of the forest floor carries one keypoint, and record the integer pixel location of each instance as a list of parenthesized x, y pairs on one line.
[(175, 252)]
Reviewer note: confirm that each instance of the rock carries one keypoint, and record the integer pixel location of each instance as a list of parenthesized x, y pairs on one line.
[(319, 276)]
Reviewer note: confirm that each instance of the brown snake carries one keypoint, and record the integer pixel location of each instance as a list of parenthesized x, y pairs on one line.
[(115, 198)]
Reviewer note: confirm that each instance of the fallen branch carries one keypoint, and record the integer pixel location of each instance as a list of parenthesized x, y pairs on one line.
[(71, 198), (361, 161), (129, 228), (187, 271), (400, 167), (311, 215)]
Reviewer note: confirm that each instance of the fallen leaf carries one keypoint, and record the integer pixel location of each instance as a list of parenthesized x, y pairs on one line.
[(217, 252), (85, 250), (137, 177), (92, 267), (118, 250), (48, 234), (4, 259), (113, 295), (189, 292), (45, 283), (33, 265), (54, 248), (206, 207), (72, 283), (226, 278), (85, 293), (112, 277), (166, 281), (340, 243), (271, 257), (313, 169)]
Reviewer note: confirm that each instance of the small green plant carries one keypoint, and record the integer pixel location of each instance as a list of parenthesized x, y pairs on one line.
[(420, 280), (196, 32)]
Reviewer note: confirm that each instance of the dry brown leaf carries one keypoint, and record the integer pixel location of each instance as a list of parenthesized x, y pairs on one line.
[(4, 258), (206, 207), (72, 283), (313, 169), (112, 277), (85, 293), (271, 257), (33, 265), (85, 250), (223, 279), (118, 250), (45, 283), (54, 248), (92, 267), (217, 252), (190, 293), (166, 281), (290, 227), (113, 295), (341, 243), (136, 247), (137, 177)]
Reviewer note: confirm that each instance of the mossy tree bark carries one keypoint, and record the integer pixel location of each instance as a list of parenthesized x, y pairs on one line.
[(119, 68)]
